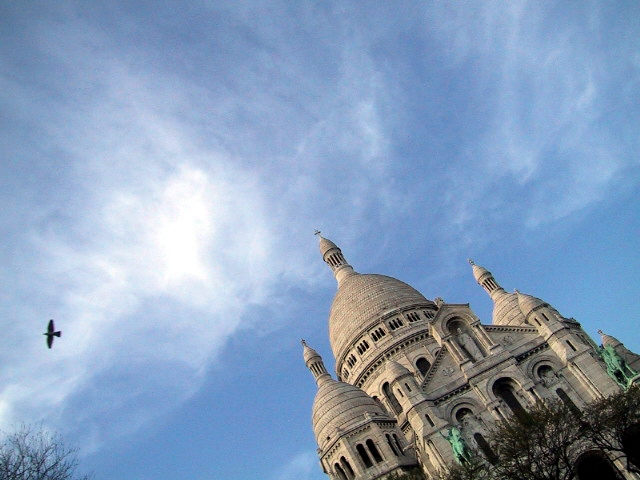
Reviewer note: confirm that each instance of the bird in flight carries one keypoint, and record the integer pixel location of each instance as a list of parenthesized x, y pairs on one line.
[(51, 332)]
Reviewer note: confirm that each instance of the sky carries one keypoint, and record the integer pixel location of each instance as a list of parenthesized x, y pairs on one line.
[(164, 165)]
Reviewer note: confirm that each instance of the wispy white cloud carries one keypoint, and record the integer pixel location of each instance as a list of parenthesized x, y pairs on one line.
[(177, 201), (157, 242), (546, 141)]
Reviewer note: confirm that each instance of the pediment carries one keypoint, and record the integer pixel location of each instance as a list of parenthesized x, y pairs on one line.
[(443, 371), (511, 337)]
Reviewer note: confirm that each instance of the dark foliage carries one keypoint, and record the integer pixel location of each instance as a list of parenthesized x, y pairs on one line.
[(613, 426), (540, 445), (545, 443), (32, 454)]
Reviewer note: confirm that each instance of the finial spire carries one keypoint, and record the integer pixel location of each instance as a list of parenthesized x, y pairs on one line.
[(485, 279), (471, 262), (332, 255), (317, 232), (313, 361)]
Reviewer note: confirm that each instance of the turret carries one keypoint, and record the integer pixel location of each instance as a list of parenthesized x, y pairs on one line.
[(314, 363), (332, 256), (505, 305), (356, 437)]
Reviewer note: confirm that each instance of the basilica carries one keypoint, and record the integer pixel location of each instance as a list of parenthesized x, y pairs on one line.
[(417, 378)]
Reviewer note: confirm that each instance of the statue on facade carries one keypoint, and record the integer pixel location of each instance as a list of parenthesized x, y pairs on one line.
[(458, 445), (617, 368), (468, 345)]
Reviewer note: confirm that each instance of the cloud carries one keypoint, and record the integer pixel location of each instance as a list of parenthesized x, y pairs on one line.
[(152, 244), (549, 145), (160, 281), (177, 189)]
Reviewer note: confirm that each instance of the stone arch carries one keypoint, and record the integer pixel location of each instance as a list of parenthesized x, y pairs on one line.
[(466, 339), (391, 445), (594, 465), (444, 318), (453, 410), (505, 388), (423, 365), (631, 444), (387, 392), (346, 467), (364, 456), (485, 448), (373, 450), (455, 322), (463, 412), (339, 472), (567, 400), (541, 361)]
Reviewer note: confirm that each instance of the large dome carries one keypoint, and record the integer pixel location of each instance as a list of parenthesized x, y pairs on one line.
[(339, 405), (363, 298)]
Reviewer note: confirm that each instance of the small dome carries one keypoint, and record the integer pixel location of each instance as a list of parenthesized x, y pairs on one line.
[(339, 405), (478, 271), (325, 245), (608, 340), (308, 352), (395, 369), (362, 299), (528, 303), (506, 310)]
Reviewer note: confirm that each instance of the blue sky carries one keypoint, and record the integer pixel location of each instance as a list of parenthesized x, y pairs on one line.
[(164, 167)]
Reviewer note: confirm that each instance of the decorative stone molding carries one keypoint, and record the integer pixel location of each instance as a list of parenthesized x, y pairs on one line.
[(387, 354)]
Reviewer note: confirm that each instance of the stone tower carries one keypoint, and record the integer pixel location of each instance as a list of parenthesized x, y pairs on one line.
[(412, 373)]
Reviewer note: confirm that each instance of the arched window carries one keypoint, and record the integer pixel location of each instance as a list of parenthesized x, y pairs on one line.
[(568, 402), (595, 466), (347, 468), (423, 366), (363, 456), (391, 398), (393, 448), (485, 448), (395, 437), (504, 390), (545, 371), (426, 415), (340, 472), (463, 412), (374, 451)]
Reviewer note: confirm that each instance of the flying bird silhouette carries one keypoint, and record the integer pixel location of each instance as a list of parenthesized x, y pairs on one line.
[(51, 332)]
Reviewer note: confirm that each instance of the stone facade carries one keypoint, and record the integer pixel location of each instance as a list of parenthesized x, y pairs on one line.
[(411, 371)]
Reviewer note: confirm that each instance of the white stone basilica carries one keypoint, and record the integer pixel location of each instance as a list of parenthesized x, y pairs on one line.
[(409, 369)]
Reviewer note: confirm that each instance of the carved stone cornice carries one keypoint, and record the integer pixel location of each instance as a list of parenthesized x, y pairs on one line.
[(433, 369), (509, 328), (341, 359), (388, 352), (452, 393), (534, 350)]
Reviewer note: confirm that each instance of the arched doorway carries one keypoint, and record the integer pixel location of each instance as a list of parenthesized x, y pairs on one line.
[(505, 390), (595, 466), (631, 444)]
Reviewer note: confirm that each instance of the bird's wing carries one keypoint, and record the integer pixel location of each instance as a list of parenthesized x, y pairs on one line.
[(51, 328), (49, 340)]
